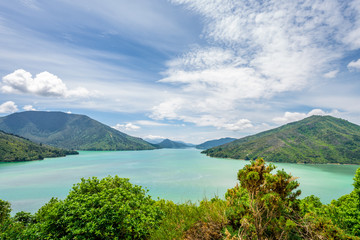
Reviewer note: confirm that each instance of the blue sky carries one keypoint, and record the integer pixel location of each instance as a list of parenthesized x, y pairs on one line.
[(181, 69)]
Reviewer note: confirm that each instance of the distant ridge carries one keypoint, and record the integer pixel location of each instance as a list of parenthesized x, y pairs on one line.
[(316, 139), (16, 149), (214, 143), (167, 143), (70, 131)]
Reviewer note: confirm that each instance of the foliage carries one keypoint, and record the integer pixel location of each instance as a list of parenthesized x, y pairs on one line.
[(110, 208), (70, 131), (14, 148), (185, 221), (317, 139), (264, 205), (345, 211)]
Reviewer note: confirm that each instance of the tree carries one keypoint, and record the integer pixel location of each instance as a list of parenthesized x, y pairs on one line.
[(110, 208), (264, 205)]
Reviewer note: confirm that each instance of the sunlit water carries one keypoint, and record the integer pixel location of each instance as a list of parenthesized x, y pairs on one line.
[(178, 175)]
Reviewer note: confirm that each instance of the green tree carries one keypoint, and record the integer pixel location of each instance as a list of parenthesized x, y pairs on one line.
[(110, 208), (264, 205)]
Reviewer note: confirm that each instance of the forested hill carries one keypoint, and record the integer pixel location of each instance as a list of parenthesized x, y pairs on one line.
[(316, 139), (70, 131), (214, 143), (167, 143), (16, 149)]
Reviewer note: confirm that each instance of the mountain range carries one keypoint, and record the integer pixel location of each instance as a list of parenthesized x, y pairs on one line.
[(316, 139), (69, 131), (15, 149)]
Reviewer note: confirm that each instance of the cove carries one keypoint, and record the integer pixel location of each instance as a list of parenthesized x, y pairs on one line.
[(173, 174)]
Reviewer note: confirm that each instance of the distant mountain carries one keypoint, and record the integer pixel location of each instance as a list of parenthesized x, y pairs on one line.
[(214, 143), (167, 143), (15, 149), (70, 131), (316, 139), (154, 140)]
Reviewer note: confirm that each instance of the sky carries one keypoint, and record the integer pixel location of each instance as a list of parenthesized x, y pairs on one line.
[(188, 70)]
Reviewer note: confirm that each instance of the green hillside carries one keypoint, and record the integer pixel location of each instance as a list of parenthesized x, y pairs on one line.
[(214, 143), (167, 143), (316, 139), (16, 149), (70, 131)]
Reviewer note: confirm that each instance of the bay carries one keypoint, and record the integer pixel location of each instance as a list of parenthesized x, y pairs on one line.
[(173, 174)]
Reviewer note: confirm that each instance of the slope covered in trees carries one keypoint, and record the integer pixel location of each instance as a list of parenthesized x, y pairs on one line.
[(316, 139), (16, 149), (214, 143), (70, 131), (167, 143)]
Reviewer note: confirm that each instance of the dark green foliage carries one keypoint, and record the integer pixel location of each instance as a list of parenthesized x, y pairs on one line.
[(214, 143), (317, 139), (110, 208), (15, 149), (167, 143), (70, 131)]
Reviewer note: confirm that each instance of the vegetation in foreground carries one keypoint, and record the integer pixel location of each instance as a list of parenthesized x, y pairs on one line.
[(15, 149), (316, 139), (264, 205)]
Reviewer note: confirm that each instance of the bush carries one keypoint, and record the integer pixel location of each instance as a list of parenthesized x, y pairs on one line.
[(110, 208)]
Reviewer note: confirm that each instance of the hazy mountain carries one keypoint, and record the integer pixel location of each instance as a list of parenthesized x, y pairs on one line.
[(167, 143), (316, 139), (70, 131), (214, 143), (16, 149)]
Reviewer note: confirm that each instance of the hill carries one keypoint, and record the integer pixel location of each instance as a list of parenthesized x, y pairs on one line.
[(214, 143), (15, 149), (316, 139), (70, 131), (167, 143)]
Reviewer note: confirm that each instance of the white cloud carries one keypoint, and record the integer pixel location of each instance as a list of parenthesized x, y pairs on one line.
[(29, 108), (44, 84), (296, 116), (354, 65), (331, 74), (8, 107), (256, 51), (126, 126), (152, 137), (151, 123)]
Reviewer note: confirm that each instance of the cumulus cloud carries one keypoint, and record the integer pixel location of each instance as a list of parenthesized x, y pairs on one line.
[(126, 126), (354, 65), (29, 108), (8, 107), (296, 116), (43, 84)]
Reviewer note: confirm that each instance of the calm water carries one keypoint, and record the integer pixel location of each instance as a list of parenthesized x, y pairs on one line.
[(177, 175)]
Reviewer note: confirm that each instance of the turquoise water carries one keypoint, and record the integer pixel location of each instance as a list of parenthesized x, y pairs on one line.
[(173, 174)]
